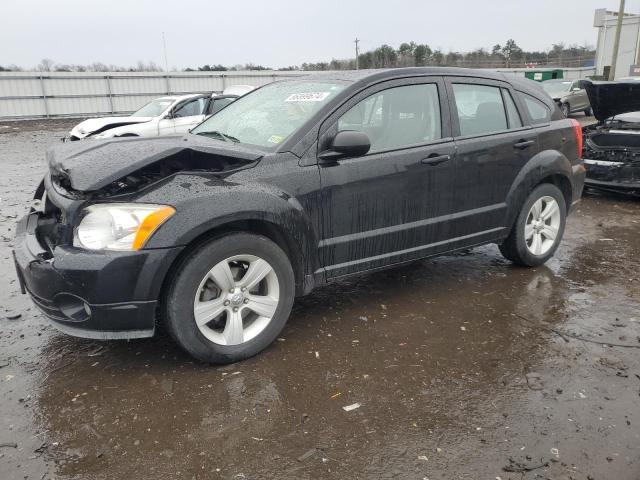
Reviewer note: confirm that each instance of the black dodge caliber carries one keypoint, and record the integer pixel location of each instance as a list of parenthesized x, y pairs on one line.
[(296, 184)]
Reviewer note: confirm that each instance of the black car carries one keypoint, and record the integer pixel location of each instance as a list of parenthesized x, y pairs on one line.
[(612, 145), (296, 184)]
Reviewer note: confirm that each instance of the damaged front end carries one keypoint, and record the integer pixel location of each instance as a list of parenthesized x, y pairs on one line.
[(99, 281), (612, 146), (612, 157), (127, 166), (121, 170)]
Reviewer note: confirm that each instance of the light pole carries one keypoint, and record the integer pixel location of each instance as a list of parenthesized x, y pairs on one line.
[(616, 42), (356, 41)]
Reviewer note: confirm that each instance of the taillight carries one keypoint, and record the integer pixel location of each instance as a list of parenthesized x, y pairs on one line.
[(577, 130)]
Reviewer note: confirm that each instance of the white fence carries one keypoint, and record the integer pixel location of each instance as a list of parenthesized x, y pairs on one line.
[(72, 94), (66, 94)]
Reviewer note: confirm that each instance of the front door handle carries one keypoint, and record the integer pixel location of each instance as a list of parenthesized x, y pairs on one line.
[(435, 159), (522, 144)]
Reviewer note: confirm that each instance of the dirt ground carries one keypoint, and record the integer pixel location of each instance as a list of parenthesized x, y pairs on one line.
[(464, 367)]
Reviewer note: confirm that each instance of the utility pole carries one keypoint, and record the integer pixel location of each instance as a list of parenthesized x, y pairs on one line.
[(616, 42), (356, 41), (164, 47)]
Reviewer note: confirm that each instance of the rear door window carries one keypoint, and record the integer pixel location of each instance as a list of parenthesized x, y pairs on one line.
[(480, 109), (191, 108), (538, 111)]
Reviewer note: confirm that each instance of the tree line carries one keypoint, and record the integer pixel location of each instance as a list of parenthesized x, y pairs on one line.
[(411, 54), (508, 55)]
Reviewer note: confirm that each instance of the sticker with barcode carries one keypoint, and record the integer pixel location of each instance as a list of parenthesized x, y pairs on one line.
[(307, 97)]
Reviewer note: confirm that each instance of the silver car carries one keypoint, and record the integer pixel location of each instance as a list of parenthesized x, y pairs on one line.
[(570, 95)]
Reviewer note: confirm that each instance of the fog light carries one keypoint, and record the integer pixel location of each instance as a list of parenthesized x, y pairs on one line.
[(72, 307)]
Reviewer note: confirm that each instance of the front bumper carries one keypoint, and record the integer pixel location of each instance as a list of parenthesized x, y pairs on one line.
[(102, 295), (616, 177)]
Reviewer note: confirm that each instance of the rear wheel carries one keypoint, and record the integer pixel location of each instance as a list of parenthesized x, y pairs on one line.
[(537, 231), (588, 112), (230, 298), (566, 109)]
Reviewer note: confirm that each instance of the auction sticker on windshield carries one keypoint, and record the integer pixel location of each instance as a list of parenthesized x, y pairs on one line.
[(307, 97), (275, 139)]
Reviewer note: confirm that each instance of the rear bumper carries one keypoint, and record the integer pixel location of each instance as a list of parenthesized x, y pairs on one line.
[(578, 175), (100, 295)]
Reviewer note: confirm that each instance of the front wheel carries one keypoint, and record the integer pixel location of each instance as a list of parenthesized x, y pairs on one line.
[(230, 298), (537, 231), (588, 112), (566, 109)]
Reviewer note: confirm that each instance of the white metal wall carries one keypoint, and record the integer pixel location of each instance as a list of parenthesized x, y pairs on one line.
[(58, 94), (629, 42)]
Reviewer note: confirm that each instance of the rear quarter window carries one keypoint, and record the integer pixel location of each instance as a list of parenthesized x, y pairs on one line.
[(538, 111)]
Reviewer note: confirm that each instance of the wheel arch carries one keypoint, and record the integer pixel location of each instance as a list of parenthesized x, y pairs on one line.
[(259, 226), (549, 166)]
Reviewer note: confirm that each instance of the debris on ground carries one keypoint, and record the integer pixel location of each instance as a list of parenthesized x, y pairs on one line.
[(520, 467), (353, 406), (308, 454), (534, 381)]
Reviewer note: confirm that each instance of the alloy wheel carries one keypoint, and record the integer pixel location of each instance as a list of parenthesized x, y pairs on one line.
[(542, 225), (236, 300)]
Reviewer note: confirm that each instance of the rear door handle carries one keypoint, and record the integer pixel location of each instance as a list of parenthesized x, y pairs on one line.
[(522, 144), (435, 159)]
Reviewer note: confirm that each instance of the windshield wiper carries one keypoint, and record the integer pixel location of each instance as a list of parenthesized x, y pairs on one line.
[(223, 136)]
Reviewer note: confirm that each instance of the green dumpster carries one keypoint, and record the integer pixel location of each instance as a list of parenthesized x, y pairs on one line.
[(542, 75)]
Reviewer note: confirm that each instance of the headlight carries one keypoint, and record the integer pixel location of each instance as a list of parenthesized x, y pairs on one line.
[(119, 226)]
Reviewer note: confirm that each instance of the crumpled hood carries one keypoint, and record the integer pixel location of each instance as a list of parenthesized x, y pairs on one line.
[(90, 166), (613, 98), (94, 125)]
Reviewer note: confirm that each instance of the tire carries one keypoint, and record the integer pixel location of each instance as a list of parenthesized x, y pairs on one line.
[(198, 290), (565, 108), (588, 112), (521, 250)]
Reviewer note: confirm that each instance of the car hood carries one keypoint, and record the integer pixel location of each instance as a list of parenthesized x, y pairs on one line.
[(90, 166), (613, 98), (97, 125)]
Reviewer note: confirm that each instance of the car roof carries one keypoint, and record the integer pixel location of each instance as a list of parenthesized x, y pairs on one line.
[(390, 73), (367, 77)]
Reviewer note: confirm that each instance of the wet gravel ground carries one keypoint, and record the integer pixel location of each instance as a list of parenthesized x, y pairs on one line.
[(464, 367)]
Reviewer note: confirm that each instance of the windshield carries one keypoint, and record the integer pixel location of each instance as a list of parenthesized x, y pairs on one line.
[(556, 89), (153, 109), (269, 115)]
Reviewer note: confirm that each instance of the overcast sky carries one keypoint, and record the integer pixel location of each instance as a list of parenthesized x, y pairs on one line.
[(278, 33)]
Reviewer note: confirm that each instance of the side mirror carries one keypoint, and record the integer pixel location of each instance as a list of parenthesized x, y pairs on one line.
[(346, 143)]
